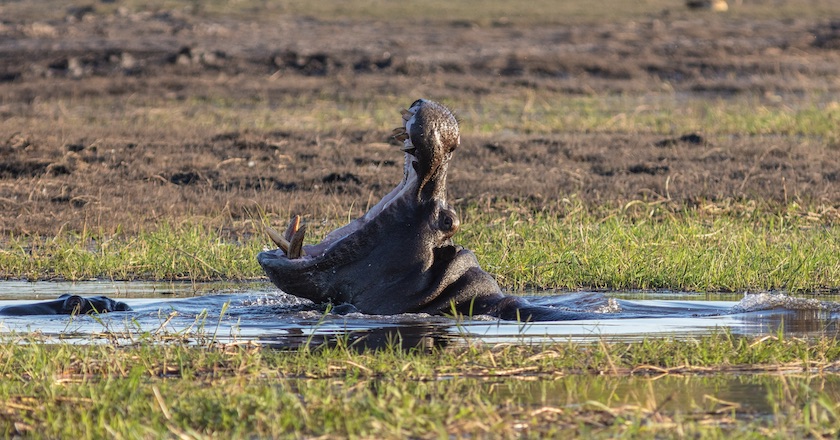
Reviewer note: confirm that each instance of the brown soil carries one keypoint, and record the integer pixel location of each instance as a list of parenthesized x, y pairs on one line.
[(70, 178)]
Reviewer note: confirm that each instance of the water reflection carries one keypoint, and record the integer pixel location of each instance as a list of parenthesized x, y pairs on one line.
[(25, 290), (421, 337), (714, 398), (792, 322), (739, 394)]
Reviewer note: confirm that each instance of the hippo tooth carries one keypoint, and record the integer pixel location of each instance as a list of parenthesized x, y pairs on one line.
[(293, 227), (278, 239), (399, 134), (296, 243), (406, 114)]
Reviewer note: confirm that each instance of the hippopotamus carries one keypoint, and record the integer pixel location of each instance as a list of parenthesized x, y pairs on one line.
[(399, 257), (67, 305)]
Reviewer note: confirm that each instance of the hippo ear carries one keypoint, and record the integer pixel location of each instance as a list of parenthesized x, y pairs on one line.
[(74, 304)]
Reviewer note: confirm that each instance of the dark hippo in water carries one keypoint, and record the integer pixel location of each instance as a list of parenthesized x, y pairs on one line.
[(397, 258), (67, 305)]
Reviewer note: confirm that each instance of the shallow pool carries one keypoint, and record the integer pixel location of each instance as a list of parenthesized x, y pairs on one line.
[(258, 312)]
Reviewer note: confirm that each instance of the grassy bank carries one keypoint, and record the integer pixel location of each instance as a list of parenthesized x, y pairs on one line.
[(170, 388), (641, 246), (644, 247)]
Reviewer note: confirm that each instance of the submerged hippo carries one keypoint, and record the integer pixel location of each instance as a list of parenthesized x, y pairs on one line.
[(67, 305), (397, 258)]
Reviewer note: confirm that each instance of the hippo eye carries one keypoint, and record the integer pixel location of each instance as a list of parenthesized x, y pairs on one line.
[(448, 222)]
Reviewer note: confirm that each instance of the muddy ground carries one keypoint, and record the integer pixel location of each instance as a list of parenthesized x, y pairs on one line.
[(56, 176)]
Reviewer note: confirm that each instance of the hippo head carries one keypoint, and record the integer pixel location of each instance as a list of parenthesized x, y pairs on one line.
[(399, 256)]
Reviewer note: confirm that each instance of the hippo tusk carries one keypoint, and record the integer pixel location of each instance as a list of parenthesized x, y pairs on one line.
[(399, 134), (278, 239), (296, 243), (293, 227), (406, 114), (294, 237)]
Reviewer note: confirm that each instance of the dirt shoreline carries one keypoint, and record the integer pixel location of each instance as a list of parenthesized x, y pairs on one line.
[(57, 176)]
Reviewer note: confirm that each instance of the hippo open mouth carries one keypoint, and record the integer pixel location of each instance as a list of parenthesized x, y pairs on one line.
[(391, 259), (399, 257)]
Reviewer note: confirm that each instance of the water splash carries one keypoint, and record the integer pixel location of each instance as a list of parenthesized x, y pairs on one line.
[(593, 302), (276, 298), (612, 306), (753, 302)]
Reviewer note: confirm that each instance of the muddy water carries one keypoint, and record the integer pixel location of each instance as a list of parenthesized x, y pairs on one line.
[(741, 396), (258, 312)]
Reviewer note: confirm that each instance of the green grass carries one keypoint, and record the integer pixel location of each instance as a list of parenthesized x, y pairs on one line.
[(160, 386), (642, 246), (654, 248), (190, 252), (658, 113)]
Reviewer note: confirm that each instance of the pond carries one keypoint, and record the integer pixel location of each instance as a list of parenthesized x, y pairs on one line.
[(260, 313)]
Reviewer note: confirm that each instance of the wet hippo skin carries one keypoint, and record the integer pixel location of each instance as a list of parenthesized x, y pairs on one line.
[(400, 257), (67, 305)]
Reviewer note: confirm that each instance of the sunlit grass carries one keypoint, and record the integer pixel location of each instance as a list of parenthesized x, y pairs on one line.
[(640, 246), (185, 252), (160, 386), (689, 250)]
